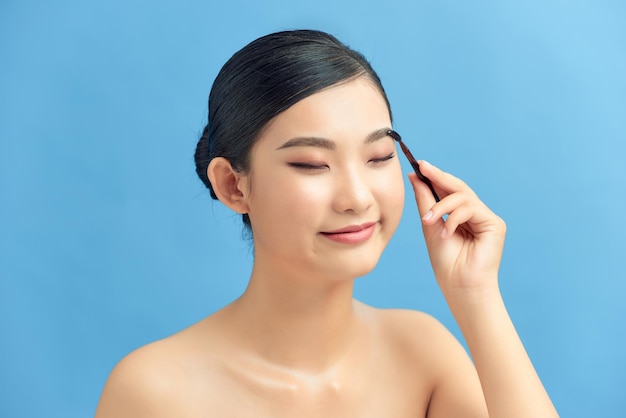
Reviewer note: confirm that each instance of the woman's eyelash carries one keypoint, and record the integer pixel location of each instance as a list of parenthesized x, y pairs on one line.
[(383, 159), (307, 166)]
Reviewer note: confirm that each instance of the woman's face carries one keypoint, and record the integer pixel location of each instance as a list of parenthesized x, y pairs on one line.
[(325, 187)]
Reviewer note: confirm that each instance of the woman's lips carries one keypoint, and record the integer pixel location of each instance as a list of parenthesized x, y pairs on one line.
[(353, 234)]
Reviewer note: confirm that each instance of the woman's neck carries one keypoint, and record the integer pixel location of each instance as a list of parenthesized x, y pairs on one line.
[(300, 324)]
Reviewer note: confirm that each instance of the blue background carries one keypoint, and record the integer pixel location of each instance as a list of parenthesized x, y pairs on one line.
[(108, 240)]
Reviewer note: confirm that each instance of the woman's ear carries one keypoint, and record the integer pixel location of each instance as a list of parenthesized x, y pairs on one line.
[(229, 186)]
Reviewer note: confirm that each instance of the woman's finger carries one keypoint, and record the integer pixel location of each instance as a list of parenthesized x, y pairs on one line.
[(423, 196), (446, 206), (459, 216), (440, 179), (425, 201)]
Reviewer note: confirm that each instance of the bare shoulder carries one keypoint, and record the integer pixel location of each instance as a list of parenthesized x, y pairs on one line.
[(135, 382), (158, 379), (421, 343), (405, 320), (144, 383), (419, 333)]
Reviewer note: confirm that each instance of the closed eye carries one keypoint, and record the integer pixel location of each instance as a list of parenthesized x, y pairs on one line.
[(308, 166), (382, 159)]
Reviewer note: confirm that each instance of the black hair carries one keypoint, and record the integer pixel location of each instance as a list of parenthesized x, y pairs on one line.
[(265, 78)]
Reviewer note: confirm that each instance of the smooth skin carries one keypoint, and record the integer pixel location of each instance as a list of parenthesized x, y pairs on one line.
[(296, 344)]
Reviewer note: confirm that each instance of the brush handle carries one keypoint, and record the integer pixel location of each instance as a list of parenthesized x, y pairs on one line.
[(414, 163), (416, 168)]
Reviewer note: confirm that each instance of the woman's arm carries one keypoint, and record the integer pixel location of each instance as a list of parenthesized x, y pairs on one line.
[(465, 252)]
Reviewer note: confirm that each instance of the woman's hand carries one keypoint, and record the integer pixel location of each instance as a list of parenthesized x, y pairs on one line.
[(465, 249), (465, 252)]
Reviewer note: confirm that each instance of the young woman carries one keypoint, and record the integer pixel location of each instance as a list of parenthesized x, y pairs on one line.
[(299, 142)]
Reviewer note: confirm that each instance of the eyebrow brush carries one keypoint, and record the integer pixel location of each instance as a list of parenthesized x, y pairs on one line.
[(413, 162)]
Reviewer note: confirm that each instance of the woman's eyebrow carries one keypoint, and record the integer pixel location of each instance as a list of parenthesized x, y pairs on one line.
[(315, 141), (377, 134), (308, 141)]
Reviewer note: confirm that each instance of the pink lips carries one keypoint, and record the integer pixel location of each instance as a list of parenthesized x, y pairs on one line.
[(353, 234)]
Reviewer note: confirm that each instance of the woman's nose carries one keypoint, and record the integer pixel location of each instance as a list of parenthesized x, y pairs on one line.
[(352, 192)]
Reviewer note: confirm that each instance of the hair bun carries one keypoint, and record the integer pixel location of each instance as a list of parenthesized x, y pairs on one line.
[(203, 158)]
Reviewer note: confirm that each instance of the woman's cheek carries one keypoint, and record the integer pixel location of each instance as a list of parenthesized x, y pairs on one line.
[(311, 195), (302, 196), (392, 193), (392, 182)]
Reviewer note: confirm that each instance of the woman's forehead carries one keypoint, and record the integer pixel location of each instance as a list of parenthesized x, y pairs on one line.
[(353, 109)]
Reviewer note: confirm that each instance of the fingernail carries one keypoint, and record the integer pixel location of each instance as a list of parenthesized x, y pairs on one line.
[(428, 215), (426, 163)]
